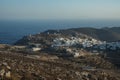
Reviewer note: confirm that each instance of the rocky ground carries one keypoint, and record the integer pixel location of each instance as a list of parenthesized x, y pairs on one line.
[(51, 63), (19, 66)]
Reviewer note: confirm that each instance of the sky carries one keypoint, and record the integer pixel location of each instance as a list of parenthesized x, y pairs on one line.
[(60, 9)]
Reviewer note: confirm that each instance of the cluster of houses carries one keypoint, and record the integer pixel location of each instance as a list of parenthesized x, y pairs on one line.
[(86, 43), (76, 45), (74, 41)]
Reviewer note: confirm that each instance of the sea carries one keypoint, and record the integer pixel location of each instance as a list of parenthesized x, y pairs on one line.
[(13, 30)]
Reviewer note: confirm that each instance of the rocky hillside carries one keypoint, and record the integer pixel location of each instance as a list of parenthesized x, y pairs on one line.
[(47, 37), (109, 34), (103, 34), (19, 66), (63, 55), (74, 39)]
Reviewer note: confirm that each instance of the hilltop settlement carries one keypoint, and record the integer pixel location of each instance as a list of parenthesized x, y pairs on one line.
[(61, 55)]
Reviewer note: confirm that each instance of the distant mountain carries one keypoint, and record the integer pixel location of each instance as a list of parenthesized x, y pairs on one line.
[(103, 34), (115, 29)]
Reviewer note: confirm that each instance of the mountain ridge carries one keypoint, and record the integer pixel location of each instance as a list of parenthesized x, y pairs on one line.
[(103, 34)]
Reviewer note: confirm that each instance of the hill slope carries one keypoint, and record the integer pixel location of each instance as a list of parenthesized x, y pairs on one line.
[(103, 34), (109, 34)]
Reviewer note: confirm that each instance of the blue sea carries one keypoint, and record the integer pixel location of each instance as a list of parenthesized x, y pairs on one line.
[(11, 30)]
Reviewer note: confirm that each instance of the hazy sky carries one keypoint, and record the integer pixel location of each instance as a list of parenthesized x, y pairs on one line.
[(60, 9)]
